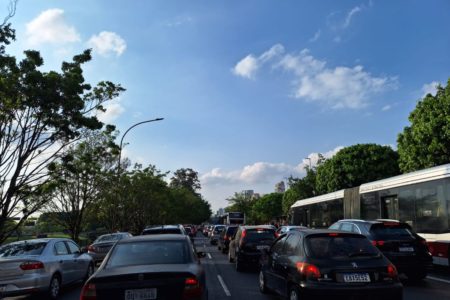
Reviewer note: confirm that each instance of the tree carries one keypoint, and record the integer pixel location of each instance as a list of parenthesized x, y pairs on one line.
[(426, 142), (185, 178), (41, 113), (79, 179), (267, 207), (299, 188), (241, 202), (355, 165)]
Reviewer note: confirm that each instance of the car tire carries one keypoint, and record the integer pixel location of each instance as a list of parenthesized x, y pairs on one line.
[(238, 264), (224, 251), (54, 288), (219, 248), (89, 272), (294, 293), (262, 283)]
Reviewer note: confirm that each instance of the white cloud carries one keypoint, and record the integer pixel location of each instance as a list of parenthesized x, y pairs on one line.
[(386, 107), (339, 87), (113, 110), (429, 88), (315, 37), (107, 42), (51, 27), (350, 15), (248, 66), (178, 21)]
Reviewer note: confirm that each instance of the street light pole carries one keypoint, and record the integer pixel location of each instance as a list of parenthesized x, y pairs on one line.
[(123, 136)]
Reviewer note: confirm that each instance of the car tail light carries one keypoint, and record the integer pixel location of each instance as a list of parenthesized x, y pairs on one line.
[(192, 288), (225, 237), (89, 292), (244, 233), (32, 265), (308, 270), (333, 234), (392, 271), (378, 243), (91, 248)]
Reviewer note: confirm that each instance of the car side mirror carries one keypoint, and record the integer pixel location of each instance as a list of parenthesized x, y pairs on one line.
[(201, 254)]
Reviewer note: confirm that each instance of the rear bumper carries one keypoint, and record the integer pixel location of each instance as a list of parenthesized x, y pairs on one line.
[(385, 291), (249, 258), (413, 264), (28, 284)]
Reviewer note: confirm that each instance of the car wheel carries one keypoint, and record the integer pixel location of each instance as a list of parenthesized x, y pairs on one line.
[(230, 259), (224, 251), (294, 293), (262, 283), (55, 287), (219, 248), (89, 272), (238, 264)]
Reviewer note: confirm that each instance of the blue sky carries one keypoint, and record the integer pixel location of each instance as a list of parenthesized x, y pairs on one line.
[(248, 89)]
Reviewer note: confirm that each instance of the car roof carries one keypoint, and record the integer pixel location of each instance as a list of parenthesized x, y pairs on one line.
[(377, 221), (258, 226), (163, 227), (154, 237), (310, 232), (39, 240)]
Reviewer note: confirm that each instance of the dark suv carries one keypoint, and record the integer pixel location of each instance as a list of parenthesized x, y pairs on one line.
[(325, 264), (224, 238), (248, 243), (397, 241)]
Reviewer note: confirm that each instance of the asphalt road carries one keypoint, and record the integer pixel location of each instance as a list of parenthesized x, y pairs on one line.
[(224, 283)]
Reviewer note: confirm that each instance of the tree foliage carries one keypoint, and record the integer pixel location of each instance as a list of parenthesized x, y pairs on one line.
[(355, 165), (185, 178), (41, 113), (426, 142), (300, 188), (267, 207)]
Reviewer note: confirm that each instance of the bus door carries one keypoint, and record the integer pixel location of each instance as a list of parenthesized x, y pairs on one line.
[(389, 208)]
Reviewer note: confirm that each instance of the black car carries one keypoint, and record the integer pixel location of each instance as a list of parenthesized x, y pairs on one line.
[(398, 242), (101, 246), (164, 229), (316, 264), (249, 241), (149, 267), (224, 238)]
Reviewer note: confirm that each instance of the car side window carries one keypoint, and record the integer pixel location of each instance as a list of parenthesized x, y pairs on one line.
[(299, 249), (335, 226), (291, 244), (61, 249), (347, 227), (278, 246), (73, 248)]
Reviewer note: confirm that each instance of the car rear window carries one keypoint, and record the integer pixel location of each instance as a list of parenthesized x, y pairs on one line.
[(162, 231), (108, 238), (391, 232), (22, 249), (150, 253), (218, 229), (339, 246), (231, 230), (253, 235)]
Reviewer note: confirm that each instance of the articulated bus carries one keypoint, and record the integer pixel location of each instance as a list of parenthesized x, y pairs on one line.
[(233, 218), (421, 199)]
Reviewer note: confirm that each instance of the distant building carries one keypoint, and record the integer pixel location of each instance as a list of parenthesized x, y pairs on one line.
[(248, 193), (220, 211), (280, 187)]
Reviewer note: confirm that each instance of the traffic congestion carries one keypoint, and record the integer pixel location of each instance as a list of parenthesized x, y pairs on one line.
[(228, 261)]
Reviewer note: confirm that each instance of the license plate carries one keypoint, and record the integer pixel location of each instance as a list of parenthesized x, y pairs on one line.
[(357, 277), (142, 294), (262, 247), (406, 249)]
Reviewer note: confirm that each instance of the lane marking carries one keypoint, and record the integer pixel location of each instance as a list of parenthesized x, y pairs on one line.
[(438, 279), (209, 256), (224, 286)]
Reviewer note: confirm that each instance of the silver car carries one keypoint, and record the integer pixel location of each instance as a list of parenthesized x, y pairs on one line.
[(42, 265)]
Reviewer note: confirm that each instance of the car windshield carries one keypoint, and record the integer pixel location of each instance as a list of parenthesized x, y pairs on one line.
[(150, 253), (253, 235), (108, 238), (218, 229), (162, 231), (325, 246), (389, 233), (22, 249)]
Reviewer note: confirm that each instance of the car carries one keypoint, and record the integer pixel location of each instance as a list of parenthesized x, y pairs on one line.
[(319, 264), (247, 244), (285, 228), (42, 266), (189, 231), (225, 236), (164, 229), (100, 247), (149, 267), (398, 242), (215, 233)]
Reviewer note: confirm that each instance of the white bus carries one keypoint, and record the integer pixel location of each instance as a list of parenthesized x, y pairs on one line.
[(233, 218), (421, 199)]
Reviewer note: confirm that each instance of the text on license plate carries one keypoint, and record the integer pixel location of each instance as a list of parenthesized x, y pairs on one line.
[(406, 249), (262, 247), (357, 277), (141, 294)]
